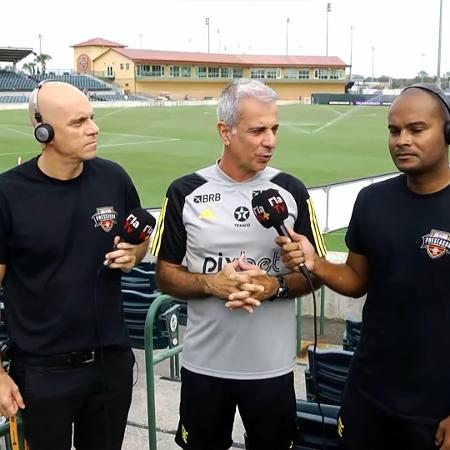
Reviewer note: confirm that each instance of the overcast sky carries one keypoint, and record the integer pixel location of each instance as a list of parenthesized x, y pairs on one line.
[(403, 33)]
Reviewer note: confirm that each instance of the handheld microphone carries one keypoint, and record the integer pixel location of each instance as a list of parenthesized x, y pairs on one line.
[(270, 209), (137, 228)]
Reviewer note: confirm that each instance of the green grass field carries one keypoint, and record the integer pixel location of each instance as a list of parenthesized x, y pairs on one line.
[(319, 144)]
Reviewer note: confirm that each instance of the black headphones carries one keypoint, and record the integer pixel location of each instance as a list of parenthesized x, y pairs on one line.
[(440, 94), (43, 132)]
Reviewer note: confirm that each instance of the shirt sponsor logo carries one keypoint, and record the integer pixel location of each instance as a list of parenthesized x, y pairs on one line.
[(241, 214), (207, 214), (213, 264), (436, 243), (105, 217), (207, 198)]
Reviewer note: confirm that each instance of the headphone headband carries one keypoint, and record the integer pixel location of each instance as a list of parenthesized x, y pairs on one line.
[(440, 94), (34, 100), (433, 89)]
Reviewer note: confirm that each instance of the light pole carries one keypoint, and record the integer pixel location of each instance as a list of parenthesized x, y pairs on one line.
[(40, 43), (140, 40), (328, 11), (352, 28), (423, 68), (207, 24), (287, 35), (373, 58), (218, 35), (438, 77)]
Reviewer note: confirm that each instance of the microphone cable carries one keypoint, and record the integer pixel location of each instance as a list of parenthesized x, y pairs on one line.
[(305, 272)]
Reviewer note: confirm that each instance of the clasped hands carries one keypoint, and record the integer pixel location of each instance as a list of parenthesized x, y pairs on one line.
[(245, 285)]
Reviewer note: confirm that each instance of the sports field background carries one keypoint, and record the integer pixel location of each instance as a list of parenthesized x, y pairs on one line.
[(319, 144)]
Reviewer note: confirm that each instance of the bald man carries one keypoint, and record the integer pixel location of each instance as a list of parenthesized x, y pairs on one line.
[(398, 390), (72, 363)]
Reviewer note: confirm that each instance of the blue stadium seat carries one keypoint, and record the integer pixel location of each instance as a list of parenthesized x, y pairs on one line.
[(312, 434), (327, 381), (81, 81), (352, 335), (135, 307), (15, 81)]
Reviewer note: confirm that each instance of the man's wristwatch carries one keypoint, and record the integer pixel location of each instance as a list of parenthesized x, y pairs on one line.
[(283, 289)]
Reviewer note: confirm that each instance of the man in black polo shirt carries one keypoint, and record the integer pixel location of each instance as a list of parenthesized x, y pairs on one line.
[(60, 213), (398, 390)]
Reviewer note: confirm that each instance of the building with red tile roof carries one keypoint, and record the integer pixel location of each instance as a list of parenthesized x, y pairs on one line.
[(203, 75)]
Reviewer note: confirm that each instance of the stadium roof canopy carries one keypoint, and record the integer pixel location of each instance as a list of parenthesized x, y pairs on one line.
[(14, 54)]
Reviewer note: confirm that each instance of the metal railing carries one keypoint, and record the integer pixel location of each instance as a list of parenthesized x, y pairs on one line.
[(151, 361)]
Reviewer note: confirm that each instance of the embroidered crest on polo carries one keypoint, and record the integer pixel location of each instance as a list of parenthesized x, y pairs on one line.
[(105, 217), (437, 243)]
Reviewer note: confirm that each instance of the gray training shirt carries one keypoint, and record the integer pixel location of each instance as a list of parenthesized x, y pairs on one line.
[(207, 221)]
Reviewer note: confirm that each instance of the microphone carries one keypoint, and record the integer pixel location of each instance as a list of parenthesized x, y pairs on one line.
[(270, 210), (137, 228)]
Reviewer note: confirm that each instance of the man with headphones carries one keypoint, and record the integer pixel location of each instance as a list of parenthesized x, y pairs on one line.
[(60, 216), (398, 390)]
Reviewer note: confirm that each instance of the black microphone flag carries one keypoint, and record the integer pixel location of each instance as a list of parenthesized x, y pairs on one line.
[(271, 210)]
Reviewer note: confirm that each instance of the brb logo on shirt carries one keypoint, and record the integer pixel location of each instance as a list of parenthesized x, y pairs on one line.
[(207, 198), (105, 217), (437, 243)]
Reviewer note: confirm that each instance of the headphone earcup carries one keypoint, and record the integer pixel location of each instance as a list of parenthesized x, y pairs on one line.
[(44, 133)]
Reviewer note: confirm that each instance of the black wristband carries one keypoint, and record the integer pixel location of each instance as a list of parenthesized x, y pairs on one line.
[(283, 289)]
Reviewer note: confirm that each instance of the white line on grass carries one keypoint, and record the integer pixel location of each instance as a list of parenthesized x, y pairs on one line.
[(14, 125), (336, 119), (18, 153), (300, 130), (116, 111), (339, 113), (344, 115), (297, 126), (138, 142), (17, 131), (136, 135)]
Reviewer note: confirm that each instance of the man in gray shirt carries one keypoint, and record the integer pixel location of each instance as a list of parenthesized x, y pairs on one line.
[(232, 358)]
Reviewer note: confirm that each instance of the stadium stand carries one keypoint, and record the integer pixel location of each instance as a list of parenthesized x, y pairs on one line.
[(13, 98), (113, 97), (312, 434), (14, 87), (326, 383), (352, 335), (15, 81), (80, 81), (139, 290)]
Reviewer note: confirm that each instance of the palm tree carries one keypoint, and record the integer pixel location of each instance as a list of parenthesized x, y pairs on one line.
[(42, 59), (29, 67)]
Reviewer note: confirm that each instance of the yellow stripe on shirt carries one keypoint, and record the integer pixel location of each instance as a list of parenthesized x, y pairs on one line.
[(156, 243), (318, 238)]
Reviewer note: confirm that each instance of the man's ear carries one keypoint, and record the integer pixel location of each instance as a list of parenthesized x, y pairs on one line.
[(224, 132)]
